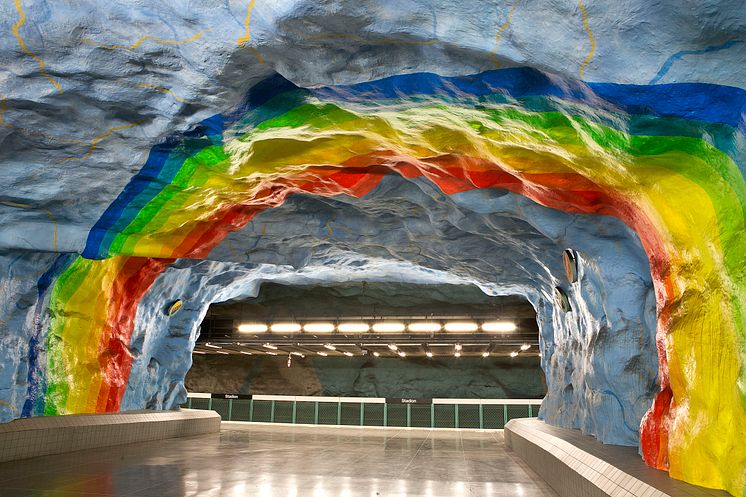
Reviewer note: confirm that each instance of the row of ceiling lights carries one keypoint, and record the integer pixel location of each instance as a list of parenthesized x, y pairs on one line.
[(394, 348), (380, 327)]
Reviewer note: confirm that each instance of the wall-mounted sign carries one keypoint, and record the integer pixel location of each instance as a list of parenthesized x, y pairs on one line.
[(561, 300), (570, 261), (408, 400), (230, 396), (174, 307)]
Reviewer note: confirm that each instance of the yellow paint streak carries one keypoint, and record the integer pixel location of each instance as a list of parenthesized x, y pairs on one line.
[(141, 41), (246, 38), (591, 38), (162, 90), (94, 143), (11, 406), (16, 32), (502, 28), (31, 207)]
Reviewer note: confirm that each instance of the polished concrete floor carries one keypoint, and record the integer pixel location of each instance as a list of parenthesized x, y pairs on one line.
[(256, 460)]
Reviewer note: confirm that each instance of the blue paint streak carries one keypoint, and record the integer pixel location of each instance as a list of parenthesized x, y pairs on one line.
[(37, 381), (678, 55)]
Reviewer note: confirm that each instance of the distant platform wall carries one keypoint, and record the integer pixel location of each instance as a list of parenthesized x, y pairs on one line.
[(41, 436)]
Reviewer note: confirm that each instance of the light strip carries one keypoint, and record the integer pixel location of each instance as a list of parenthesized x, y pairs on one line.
[(388, 327), (318, 327), (247, 353), (353, 327), (461, 326), (322, 354), (198, 352), (424, 327), (212, 346), (349, 354), (252, 328), (498, 326), (285, 327), (329, 346), (269, 346)]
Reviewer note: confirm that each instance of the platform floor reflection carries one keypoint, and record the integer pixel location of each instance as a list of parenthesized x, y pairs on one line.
[(284, 460)]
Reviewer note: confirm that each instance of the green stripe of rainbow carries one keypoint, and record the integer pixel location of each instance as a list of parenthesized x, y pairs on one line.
[(684, 197)]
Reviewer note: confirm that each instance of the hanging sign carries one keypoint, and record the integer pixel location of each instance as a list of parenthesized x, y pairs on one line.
[(230, 396), (408, 400)]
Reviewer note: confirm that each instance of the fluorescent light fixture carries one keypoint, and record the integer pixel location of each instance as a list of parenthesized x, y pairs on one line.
[(388, 327), (212, 346), (353, 327), (461, 326), (376, 354), (269, 346), (525, 346), (285, 327), (498, 326), (393, 347), (322, 353), (318, 327), (458, 346), (271, 353), (349, 354), (329, 346), (198, 352), (252, 328), (247, 353), (221, 352), (429, 354), (426, 326), (457, 354), (514, 354), (298, 354), (402, 354), (485, 354)]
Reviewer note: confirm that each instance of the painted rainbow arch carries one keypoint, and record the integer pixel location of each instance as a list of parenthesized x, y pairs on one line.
[(664, 159)]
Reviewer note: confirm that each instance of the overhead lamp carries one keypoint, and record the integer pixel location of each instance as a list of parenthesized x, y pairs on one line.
[(429, 354), (353, 327), (525, 346), (329, 346), (457, 354), (212, 346), (298, 354), (485, 354), (514, 354), (348, 354), (318, 327), (269, 346), (246, 353), (252, 328), (461, 326), (322, 353), (426, 326), (388, 327), (393, 347), (458, 346), (376, 354), (285, 327), (221, 352), (402, 354), (271, 353), (198, 352), (498, 326)]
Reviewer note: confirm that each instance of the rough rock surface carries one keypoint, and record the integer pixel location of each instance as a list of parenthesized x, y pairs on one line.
[(139, 133)]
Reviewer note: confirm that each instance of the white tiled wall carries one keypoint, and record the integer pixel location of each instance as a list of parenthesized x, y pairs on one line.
[(39, 436)]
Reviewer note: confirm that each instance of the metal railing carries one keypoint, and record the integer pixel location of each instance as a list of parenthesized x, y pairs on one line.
[(366, 411)]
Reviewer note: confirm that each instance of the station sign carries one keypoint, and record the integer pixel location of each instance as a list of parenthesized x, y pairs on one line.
[(230, 396), (408, 400)]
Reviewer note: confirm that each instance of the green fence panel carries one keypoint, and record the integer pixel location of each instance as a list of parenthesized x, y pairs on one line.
[(304, 413), (283, 411), (444, 416), (350, 414), (397, 415), (494, 416), (517, 412), (420, 415), (328, 413), (262, 411), (468, 416), (240, 411), (221, 407), (373, 415), (200, 403)]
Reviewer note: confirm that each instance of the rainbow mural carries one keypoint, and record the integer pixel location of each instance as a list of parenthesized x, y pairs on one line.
[(664, 159)]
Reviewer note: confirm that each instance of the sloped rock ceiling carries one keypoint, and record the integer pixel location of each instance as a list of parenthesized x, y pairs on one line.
[(161, 150)]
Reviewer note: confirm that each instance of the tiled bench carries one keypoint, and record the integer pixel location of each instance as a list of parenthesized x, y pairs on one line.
[(42, 436), (577, 465)]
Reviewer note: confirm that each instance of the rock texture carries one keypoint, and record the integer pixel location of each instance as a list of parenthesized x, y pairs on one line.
[(153, 151)]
